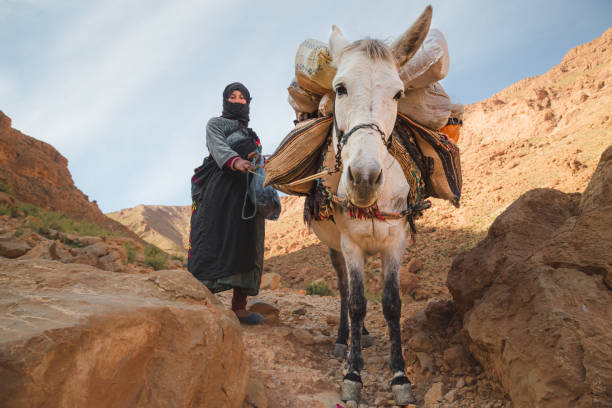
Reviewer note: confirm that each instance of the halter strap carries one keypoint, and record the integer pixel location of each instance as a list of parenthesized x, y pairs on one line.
[(374, 126)]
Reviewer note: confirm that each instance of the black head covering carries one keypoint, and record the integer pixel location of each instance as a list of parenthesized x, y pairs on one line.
[(236, 111)]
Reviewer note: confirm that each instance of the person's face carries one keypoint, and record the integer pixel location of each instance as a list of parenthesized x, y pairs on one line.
[(237, 97)]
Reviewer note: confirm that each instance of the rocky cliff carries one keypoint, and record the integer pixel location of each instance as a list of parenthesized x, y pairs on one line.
[(38, 174), (166, 227)]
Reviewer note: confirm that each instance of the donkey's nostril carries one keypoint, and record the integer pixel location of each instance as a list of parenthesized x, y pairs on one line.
[(350, 174), (379, 178)]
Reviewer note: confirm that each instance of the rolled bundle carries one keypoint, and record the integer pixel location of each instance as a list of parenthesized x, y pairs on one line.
[(429, 64), (429, 106), (302, 100), (313, 67)]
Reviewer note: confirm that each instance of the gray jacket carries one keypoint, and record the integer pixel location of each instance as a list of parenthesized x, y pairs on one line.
[(217, 143)]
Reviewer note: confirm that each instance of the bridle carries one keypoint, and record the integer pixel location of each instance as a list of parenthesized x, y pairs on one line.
[(343, 138)]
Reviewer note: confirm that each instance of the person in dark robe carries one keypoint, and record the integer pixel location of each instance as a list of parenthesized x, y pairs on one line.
[(226, 241)]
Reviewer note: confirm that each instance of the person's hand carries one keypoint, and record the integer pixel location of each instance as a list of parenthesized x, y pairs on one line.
[(251, 155), (243, 165)]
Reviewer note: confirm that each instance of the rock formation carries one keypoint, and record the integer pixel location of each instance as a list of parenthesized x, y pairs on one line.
[(166, 227), (38, 174), (75, 336), (536, 296)]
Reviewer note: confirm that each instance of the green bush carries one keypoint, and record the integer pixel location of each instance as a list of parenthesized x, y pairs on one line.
[(130, 250), (155, 257), (60, 222), (29, 209), (4, 188), (5, 209), (319, 288)]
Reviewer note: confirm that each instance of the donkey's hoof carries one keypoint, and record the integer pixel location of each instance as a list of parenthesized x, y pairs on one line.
[(402, 390), (367, 340), (339, 350), (351, 387)]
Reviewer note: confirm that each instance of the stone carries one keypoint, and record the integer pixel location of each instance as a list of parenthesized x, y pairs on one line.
[(112, 261), (414, 265), (408, 282), (270, 281), (270, 312), (99, 339), (420, 342), (332, 320), (44, 250), (256, 394), (534, 299), (6, 199), (426, 362), (13, 247), (98, 249), (450, 396), (300, 311), (460, 383), (457, 358), (434, 394), (303, 336)]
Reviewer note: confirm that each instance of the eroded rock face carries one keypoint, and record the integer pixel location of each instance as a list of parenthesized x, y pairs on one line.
[(535, 296), (73, 335), (38, 174)]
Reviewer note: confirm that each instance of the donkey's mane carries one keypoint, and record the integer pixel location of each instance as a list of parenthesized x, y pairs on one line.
[(374, 49)]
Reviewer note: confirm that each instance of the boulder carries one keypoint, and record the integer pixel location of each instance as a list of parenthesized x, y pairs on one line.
[(270, 312), (535, 297), (45, 249), (73, 335), (434, 394), (270, 281), (12, 247)]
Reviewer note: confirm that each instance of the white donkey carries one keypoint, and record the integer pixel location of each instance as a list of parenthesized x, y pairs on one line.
[(368, 87)]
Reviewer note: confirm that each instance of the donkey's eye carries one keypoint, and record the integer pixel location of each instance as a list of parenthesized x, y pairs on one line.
[(398, 95), (341, 89)]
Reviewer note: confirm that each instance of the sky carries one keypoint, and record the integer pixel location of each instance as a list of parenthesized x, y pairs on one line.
[(123, 89)]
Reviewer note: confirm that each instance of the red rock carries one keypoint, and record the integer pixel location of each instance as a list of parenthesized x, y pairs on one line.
[(13, 247), (538, 317), (38, 174), (90, 338)]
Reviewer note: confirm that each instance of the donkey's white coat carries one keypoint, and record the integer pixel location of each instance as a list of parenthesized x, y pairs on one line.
[(367, 85)]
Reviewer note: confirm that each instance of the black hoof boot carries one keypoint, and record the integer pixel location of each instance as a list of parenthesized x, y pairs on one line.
[(402, 390), (351, 387)]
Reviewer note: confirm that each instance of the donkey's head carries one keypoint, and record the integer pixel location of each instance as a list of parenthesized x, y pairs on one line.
[(368, 86)]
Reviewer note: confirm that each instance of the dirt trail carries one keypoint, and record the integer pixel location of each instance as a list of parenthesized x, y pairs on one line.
[(292, 364)]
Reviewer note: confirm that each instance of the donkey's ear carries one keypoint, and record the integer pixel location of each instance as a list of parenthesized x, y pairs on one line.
[(337, 42), (405, 46)]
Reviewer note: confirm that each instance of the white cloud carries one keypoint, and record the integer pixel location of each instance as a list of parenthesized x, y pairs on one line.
[(99, 65)]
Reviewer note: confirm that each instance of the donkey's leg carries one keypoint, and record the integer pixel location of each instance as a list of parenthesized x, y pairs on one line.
[(339, 265), (392, 309), (352, 384)]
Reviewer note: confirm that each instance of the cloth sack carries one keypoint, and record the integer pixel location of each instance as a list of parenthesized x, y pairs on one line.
[(429, 106), (429, 64), (313, 67)]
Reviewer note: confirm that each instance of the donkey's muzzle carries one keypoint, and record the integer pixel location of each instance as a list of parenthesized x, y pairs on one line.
[(364, 183)]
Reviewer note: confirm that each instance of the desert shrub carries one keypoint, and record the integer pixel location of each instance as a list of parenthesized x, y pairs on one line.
[(319, 288), (130, 250), (155, 257), (4, 188), (29, 209), (5, 209)]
